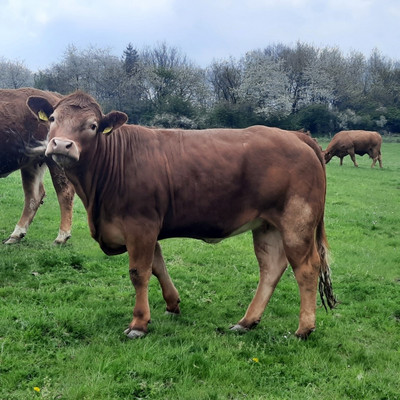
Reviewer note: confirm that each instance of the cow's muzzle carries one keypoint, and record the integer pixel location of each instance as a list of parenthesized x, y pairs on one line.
[(63, 151)]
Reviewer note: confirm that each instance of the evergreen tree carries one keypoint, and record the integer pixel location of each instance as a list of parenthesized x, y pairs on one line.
[(130, 59)]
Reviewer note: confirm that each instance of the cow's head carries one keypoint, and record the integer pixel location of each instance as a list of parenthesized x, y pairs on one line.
[(327, 156), (74, 124)]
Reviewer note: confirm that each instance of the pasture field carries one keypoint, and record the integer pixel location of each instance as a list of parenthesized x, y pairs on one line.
[(63, 309)]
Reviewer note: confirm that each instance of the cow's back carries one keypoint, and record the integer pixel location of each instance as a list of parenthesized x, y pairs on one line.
[(363, 140)]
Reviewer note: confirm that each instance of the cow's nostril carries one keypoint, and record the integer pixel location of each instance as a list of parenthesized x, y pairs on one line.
[(68, 146)]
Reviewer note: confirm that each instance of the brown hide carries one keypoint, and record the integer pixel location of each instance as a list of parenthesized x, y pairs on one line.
[(355, 142), (22, 147), (141, 185)]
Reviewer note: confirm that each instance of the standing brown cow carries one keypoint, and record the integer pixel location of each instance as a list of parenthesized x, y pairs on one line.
[(355, 142), (141, 185), (22, 146)]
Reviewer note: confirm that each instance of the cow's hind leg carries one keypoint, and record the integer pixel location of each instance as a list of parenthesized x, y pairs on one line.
[(306, 271), (303, 256), (170, 294), (376, 156), (272, 260), (299, 232), (32, 183), (380, 159)]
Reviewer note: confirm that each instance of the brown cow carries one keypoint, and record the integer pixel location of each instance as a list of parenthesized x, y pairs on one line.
[(22, 146), (141, 185), (355, 142)]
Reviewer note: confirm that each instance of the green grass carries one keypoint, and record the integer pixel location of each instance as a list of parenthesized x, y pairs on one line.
[(63, 309)]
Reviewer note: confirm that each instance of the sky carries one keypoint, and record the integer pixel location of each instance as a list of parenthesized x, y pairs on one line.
[(38, 32)]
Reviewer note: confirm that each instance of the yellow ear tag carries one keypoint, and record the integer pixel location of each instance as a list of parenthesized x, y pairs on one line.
[(42, 116), (107, 130)]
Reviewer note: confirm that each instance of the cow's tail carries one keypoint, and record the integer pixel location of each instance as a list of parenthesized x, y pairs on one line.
[(325, 283)]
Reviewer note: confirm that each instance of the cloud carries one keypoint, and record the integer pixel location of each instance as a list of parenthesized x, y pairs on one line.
[(38, 31)]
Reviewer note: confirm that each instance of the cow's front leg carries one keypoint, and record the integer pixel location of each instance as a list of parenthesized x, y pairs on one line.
[(141, 254), (353, 158), (65, 195)]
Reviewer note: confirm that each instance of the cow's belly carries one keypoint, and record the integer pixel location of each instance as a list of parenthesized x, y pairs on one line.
[(244, 228), (111, 238), (208, 232), (361, 152)]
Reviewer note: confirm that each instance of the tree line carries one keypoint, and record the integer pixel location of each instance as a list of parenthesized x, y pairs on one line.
[(293, 87)]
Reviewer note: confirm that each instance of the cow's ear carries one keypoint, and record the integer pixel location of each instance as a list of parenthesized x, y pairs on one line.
[(40, 107), (112, 121)]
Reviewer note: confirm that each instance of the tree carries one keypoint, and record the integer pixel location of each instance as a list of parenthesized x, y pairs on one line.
[(349, 78), (66, 76), (382, 86), (225, 78), (162, 66), (296, 61), (264, 85), (130, 60), (14, 75), (93, 70), (291, 87), (133, 88), (317, 119), (173, 85)]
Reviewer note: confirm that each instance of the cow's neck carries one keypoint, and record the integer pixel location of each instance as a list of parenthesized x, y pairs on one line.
[(102, 171), (85, 179)]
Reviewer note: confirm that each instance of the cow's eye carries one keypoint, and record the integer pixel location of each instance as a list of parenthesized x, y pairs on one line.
[(51, 118), (93, 127)]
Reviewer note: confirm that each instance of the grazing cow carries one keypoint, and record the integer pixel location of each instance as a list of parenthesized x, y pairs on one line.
[(141, 185), (22, 146), (355, 142)]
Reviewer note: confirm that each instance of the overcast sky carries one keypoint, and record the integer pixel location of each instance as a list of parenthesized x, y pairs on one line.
[(37, 32)]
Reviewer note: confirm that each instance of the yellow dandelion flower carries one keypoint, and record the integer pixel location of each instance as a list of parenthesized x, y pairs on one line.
[(255, 359), (36, 389)]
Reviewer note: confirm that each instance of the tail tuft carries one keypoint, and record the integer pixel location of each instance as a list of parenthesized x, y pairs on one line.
[(325, 283), (325, 289)]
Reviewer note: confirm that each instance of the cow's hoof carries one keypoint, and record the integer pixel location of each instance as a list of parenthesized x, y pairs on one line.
[(303, 335), (238, 328), (134, 333), (59, 242), (172, 313), (12, 240), (62, 237)]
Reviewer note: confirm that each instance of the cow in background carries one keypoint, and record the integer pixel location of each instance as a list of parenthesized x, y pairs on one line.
[(22, 146), (355, 142)]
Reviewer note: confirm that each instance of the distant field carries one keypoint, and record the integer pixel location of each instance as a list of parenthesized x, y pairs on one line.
[(63, 309)]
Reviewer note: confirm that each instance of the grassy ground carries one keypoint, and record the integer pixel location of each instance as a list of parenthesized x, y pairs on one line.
[(63, 309)]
